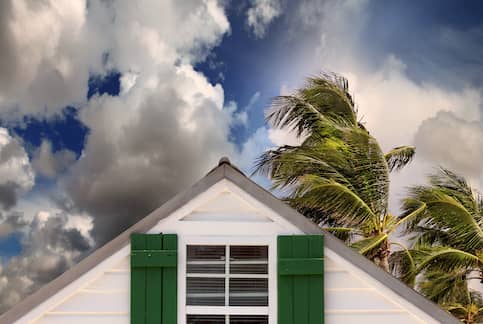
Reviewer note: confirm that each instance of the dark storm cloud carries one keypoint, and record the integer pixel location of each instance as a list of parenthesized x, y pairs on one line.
[(8, 194), (49, 247), (121, 178)]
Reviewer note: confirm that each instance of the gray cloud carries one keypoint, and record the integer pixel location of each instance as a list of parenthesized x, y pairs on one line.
[(452, 142), (49, 164), (16, 174), (160, 143), (50, 245)]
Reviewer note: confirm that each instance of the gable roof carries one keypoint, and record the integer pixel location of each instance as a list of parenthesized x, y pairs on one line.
[(225, 170)]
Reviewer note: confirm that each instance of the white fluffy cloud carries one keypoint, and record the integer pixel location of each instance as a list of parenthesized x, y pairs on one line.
[(260, 14), (47, 51), (16, 174)]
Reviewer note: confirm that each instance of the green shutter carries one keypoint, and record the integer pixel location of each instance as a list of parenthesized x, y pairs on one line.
[(154, 278), (301, 279)]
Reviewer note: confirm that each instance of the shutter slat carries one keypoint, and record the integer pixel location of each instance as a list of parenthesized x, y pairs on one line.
[(300, 279), (170, 283), (301, 283), (154, 283)]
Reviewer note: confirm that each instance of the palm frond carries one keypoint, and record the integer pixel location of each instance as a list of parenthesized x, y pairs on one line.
[(444, 287), (345, 234), (295, 114), (367, 245), (399, 157), (445, 259), (335, 199), (402, 266), (329, 92)]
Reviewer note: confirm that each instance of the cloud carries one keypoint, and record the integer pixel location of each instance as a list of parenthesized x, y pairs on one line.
[(260, 14), (16, 174), (169, 124), (162, 138), (51, 243), (47, 51), (454, 143), (49, 164)]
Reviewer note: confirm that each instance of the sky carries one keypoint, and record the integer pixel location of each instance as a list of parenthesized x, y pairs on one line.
[(109, 108)]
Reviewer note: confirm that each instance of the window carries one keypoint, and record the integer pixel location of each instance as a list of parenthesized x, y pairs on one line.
[(227, 284)]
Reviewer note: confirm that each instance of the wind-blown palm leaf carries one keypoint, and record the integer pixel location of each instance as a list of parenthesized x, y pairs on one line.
[(444, 287), (330, 94), (446, 259), (344, 206), (366, 245), (402, 266), (295, 114), (345, 234), (453, 212), (469, 309), (399, 157)]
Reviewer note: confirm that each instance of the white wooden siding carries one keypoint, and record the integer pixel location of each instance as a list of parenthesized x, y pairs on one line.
[(102, 296)]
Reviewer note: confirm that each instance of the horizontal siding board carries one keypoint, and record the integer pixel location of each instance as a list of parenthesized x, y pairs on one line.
[(396, 318), (124, 264), (83, 319), (96, 302), (111, 281), (329, 264), (356, 299), (342, 280)]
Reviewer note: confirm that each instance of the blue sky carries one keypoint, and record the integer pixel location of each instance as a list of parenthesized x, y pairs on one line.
[(108, 109)]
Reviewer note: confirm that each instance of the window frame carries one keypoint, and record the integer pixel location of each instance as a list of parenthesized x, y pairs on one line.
[(227, 241)]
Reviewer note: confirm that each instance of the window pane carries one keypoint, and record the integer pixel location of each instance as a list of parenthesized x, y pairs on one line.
[(248, 292), (205, 291), (206, 319), (248, 259), (248, 319), (206, 259)]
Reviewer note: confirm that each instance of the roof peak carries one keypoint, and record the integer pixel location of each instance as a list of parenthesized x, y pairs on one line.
[(224, 160)]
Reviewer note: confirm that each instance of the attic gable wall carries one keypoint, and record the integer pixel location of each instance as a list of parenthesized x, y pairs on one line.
[(102, 294)]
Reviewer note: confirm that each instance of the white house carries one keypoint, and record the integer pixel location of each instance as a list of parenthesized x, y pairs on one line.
[(225, 251)]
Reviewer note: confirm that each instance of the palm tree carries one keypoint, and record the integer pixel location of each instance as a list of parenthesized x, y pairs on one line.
[(338, 176), (447, 241), (470, 310)]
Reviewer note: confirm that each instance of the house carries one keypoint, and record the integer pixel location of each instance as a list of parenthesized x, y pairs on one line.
[(225, 251)]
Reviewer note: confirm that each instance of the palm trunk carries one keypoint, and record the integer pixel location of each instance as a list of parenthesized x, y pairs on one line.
[(385, 263), (381, 258)]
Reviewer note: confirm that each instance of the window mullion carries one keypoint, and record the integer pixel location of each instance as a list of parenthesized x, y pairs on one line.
[(227, 276)]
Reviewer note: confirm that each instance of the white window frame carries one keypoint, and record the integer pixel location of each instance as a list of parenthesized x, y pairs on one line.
[(270, 310)]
